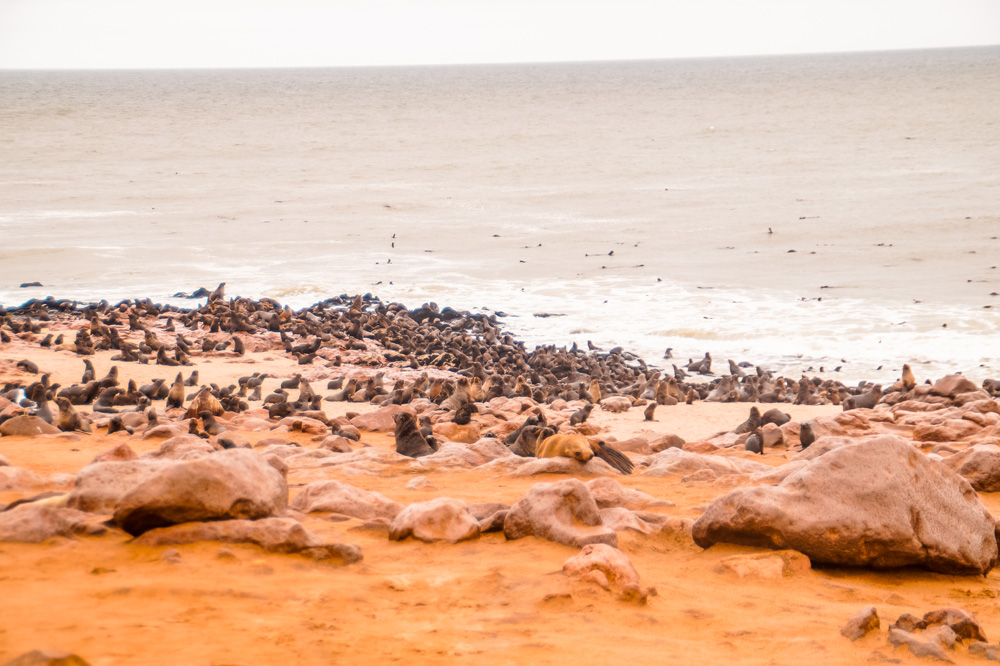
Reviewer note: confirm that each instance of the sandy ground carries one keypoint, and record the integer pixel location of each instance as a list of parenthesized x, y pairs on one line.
[(483, 601)]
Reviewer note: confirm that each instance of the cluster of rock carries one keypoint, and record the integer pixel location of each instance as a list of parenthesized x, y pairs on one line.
[(932, 636)]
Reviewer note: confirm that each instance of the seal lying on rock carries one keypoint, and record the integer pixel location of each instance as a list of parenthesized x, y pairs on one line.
[(580, 448), (527, 442)]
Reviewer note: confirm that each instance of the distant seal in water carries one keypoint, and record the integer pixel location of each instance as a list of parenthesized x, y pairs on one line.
[(409, 441)]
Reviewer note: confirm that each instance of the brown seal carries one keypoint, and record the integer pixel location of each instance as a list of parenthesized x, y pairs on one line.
[(580, 448), (69, 419), (580, 416), (409, 441), (463, 415), (528, 438), (751, 424), (175, 397)]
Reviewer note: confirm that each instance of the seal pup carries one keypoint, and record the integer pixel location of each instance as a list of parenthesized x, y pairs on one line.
[(581, 415), (806, 436), (409, 440), (533, 420), (69, 419), (463, 415), (212, 427), (755, 442), (88, 372), (648, 412)]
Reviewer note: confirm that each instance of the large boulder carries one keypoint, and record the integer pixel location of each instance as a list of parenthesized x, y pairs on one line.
[(18, 478), (35, 522), (562, 511), (234, 483), (680, 462), (279, 535), (100, 486), (952, 385), (609, 493), (880, 503), (380, 420), (440, 519), (979, 465), (182, 447), (338, 497), (27, 426)]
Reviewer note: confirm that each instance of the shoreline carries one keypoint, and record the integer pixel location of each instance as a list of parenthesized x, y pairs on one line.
[(440, 601)]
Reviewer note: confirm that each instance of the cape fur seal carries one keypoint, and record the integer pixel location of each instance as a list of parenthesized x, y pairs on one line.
[(580, 448), (580, 416), (409, 440), (527, 440)]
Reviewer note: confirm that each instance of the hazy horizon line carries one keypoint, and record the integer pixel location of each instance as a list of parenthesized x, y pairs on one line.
[(497, 63)]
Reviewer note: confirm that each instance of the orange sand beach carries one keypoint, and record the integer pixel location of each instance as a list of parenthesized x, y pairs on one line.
[(111, 598)]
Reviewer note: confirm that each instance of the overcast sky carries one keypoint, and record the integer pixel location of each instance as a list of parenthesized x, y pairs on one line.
[(282, 33)]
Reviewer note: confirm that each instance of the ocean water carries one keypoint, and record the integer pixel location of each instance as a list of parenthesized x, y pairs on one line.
[(801, 212)]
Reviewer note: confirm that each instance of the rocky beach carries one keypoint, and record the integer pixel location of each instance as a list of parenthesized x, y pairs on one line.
[(222, 484)]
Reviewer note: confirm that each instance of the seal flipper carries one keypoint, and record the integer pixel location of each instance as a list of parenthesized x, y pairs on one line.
[(613, 457)]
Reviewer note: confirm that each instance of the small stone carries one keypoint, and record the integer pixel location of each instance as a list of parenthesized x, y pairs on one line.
[(47, 658), (420, 483), (985, 650), (963, 623), (861, 624), (171, 555), (609, 568), (931, 643)]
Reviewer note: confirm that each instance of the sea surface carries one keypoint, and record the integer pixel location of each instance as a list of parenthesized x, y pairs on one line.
[(800, 212)]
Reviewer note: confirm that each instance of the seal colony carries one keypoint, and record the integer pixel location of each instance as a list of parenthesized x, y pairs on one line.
[(338, 439)]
